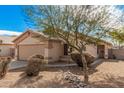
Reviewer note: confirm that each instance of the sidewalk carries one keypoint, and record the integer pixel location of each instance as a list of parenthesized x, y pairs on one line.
[(21, 64), (17, 64)]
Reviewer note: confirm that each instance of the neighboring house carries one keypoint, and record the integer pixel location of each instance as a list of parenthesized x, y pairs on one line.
[(7, 46), (28, 44)]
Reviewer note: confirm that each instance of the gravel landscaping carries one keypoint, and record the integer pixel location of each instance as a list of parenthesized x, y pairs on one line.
[(110, 73)]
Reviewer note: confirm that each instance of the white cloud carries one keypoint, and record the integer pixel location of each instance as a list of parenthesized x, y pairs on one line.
[(6, 32)]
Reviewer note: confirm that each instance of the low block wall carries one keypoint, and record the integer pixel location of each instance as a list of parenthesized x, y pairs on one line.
[(116, 54)]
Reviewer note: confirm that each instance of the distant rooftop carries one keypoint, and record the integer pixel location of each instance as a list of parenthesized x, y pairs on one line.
[(7, 39)]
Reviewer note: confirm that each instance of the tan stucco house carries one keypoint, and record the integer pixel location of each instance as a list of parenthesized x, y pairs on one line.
[(27, 44), (7, 47)]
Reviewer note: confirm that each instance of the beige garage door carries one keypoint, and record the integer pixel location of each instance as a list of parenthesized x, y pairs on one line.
[(25, 51)]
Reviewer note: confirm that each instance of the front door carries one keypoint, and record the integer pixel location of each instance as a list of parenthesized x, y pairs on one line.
[(101, 51), (65, 49)]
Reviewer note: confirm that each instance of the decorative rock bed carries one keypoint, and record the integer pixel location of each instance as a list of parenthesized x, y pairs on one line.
[(74, 81)]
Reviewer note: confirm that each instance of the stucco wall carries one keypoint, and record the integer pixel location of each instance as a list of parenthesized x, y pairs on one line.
[(106, 51), (92, 50), (30, 46), (118, 53), (5, 50), (56, 51), (51, 50), (30, 40)]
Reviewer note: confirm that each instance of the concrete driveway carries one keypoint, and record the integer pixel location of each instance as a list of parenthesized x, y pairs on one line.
[(17, 64), (20, 64)]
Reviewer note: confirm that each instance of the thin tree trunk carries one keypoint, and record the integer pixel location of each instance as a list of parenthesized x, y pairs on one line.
[(85, 69)]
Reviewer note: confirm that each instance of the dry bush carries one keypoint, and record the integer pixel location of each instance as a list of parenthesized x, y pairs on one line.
[(34, 65), (4, 66), (76, 57), (89, 58)]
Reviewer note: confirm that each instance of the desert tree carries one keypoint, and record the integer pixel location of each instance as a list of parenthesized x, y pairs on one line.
[(117, 37), (77, 25)]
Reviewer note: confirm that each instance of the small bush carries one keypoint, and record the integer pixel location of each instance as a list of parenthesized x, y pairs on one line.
[(89, 58), (76, 57), (4, 66), (34, 65)]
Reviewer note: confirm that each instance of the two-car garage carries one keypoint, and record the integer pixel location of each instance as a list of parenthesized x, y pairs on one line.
[(25, 51)]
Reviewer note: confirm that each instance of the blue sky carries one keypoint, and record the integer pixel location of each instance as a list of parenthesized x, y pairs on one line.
[(12, 19), (121, 7)]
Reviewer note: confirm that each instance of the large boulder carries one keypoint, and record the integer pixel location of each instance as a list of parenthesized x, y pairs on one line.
[(34, 65), (4, 62), (76, 57)]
